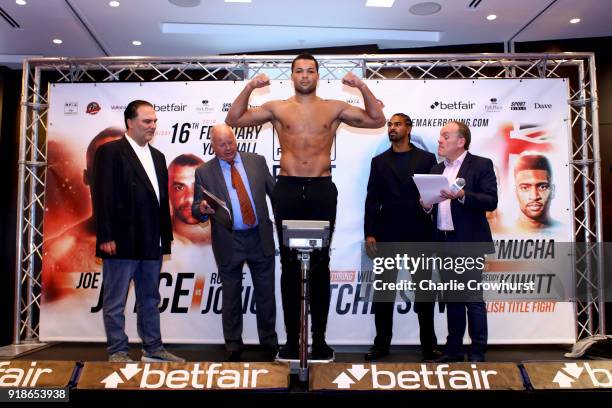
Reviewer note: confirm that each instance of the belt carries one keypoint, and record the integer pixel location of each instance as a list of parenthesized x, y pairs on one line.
[(246, 231)]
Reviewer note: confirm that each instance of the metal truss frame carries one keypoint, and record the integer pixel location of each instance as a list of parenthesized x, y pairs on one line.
[(578, 68)]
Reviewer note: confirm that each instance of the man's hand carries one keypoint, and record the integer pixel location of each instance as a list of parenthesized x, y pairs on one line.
[(370, 247), (352, 80), (259, 81), (205, 208), (426, 207), (450, 195), (109, 248)]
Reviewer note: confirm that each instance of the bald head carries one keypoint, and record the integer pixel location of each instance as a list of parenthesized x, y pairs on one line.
[(223, 142)]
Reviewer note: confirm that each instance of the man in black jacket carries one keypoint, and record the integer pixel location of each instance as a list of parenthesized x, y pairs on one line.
[(393, 214), (133, 231)]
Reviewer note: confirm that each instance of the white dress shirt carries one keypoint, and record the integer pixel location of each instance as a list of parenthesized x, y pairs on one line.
[(451, 169), (146, 159)]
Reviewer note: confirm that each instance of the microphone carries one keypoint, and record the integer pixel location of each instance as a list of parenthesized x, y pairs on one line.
[(457, 185)]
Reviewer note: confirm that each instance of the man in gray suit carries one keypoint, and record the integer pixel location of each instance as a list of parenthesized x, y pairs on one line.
[(242, 180)]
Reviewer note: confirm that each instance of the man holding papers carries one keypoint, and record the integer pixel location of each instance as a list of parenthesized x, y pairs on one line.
[(242, 181), (393, 214), (461, 217)]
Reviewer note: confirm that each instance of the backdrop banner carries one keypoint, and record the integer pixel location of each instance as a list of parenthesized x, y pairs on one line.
[(508, 119)]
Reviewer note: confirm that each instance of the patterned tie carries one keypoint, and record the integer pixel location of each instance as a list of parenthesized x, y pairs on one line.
[(246, 208)]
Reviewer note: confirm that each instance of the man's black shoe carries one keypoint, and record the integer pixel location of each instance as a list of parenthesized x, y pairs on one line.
[(270, 352), (376, 353), (449, 359), (321, 351), (289, 352), (234, 355), (431, 356)]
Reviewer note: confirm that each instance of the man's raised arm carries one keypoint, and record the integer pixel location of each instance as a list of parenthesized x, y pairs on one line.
[(372, 117), (240, 115)]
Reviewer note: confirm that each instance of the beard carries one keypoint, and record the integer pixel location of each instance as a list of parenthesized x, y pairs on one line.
[(183, 213), (306, 91), (396, 137)]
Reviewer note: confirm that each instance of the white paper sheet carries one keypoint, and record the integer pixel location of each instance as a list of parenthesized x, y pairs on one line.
[(429, 186)]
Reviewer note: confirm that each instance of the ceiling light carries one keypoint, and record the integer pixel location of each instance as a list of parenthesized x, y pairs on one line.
[(114, 4), (137, 43), (379, 3), (185, 3), (425, 9), (575, 20), (491, 17), (21, 2), (57, 41)]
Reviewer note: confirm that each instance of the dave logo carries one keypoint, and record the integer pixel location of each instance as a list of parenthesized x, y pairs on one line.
[(93, 108), (572, 372)]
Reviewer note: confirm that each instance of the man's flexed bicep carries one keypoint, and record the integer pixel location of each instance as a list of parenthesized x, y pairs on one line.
[(359, 118), (372, 117), (241, 115)]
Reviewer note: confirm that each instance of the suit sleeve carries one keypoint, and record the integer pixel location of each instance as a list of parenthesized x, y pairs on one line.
[(270, 183), (432, 161), (104, 175), (484, 197), (372, 203), (197, 198), (167, 219)]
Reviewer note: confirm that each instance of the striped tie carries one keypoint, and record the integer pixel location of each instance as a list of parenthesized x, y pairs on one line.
[(246, 208)]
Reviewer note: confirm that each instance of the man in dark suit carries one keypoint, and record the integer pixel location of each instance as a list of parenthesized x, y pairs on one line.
[(461, 217), (242, 180), (133, 231), (393, 214)]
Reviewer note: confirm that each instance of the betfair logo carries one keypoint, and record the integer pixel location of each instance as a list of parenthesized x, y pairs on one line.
[(12, 376), (455, 105), (351, 376), (212, 377), (125, 374), (573, 372), (438, 377)]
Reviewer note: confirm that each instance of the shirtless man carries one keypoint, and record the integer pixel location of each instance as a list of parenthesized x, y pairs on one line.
[(306, 126)]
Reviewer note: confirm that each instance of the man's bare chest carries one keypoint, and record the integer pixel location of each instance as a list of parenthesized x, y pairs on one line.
[(316, 119)]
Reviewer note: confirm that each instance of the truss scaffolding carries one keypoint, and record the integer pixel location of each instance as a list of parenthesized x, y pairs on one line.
[(578, 68)]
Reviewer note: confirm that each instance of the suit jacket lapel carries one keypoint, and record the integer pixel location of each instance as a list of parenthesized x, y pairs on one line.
[(464, 166), (218, 175), (159, 171), (134, 161)]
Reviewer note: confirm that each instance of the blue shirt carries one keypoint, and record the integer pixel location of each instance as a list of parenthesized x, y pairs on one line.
[(226, 169)]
